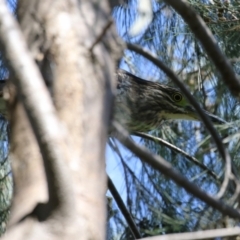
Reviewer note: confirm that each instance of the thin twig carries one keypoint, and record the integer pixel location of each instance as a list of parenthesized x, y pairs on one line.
[(199, 235), (144, 190), (204, 35), (165, 198), (178, 150), (166, 168), (134, 176), (123, 209), (115, 148), (98, 39), (236, 194), (222, 150)]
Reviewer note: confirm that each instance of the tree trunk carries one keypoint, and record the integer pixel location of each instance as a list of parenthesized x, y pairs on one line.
[(59, 35)]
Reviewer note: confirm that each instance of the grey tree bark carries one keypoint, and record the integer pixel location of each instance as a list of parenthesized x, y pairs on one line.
[(59, 175)]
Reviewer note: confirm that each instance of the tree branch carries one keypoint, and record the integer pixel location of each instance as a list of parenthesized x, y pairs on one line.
[(101, 35), (166, 168), (199, 235), (136, 179), (124, 211), (40, 111), (222, 150), (204, 35), (178, 150)]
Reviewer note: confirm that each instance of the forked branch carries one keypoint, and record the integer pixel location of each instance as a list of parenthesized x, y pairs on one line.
[(167, 169), (222, 150)]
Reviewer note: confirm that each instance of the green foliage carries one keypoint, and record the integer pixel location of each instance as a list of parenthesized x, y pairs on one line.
[(6, 179), (150, 196)]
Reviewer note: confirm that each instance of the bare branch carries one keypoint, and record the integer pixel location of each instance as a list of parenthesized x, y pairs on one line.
[(98, 39), (115, 148), (199, 235), (166, 168), (204, 35), (123, 209), (222, 150), (178, 150)]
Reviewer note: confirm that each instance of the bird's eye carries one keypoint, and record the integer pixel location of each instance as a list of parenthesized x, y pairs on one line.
[(177, 97)]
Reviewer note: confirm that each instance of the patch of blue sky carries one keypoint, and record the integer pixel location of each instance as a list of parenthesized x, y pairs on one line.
[(138, 65), (131, 61), (12, 5), (115, 169)]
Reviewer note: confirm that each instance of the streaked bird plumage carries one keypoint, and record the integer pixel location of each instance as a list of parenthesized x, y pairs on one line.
[(142, 105)]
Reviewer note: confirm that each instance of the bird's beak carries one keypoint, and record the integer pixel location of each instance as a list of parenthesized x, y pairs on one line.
[(213, 118)]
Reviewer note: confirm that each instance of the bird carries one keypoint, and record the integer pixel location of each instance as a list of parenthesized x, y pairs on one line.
[(142, 106)]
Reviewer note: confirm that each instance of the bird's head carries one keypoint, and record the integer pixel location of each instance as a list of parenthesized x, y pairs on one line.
[(143, 105), (174, 105)]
